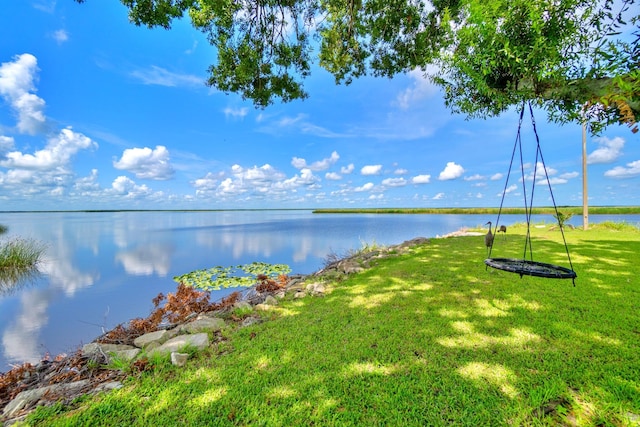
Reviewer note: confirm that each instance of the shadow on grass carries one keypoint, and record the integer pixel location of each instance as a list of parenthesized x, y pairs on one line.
[(433, 338)]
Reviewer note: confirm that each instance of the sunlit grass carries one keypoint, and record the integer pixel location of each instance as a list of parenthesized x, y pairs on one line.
[(432, 337)]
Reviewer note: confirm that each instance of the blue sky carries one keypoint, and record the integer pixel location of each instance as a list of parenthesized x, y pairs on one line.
[(96, 113)]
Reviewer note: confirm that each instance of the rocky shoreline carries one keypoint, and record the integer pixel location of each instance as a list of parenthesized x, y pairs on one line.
[(92, 368)]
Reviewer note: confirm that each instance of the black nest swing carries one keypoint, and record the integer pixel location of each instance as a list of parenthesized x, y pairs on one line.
[(523, 266)]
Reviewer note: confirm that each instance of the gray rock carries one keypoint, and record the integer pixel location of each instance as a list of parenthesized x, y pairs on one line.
[(93, 348), (316, 289), (299, 294), (350, 267), (198, 341), (269, 300), (250, 321), (179, 359), (263, 307), (108, 386), (242, 305), (295, 283), (158, 336), (128, 355), (28, 398), (202, 324)]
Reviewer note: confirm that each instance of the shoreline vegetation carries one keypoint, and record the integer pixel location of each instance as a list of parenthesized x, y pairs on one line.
[(428, 336), (19, 260), (574, 210)]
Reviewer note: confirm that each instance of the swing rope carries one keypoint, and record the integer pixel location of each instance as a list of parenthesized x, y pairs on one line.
[(544, 166), (523, 266)]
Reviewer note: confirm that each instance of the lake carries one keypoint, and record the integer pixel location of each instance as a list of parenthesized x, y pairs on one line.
[(102, 269)]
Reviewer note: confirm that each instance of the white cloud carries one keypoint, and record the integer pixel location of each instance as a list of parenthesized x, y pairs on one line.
[(206, 184), (126, 187), (192, 49), (146, 260), (401, 171), (371, 170), (258, 175), (632, 169), (510, 189), (451, 171), (438, 196), (569, 175), (298, 163), (367, 187), (305, 178), (230, 187), (394, 182), (60, 36), (146, 163), (476, 177), (346, 170), (320, 165), (16, 87), (45, 6), (263, 181), (88, 185), (610, 150), (421, 179), (298, 123), (56, 154), (496, 177), (422, 88), (333, 176), (6, 143), (540, 172), (236, 113), (161, 77)]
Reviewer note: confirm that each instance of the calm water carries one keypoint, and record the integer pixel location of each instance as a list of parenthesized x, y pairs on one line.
[(102, 269)]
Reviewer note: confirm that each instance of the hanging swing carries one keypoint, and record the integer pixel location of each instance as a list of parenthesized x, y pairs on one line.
[(528, 266)]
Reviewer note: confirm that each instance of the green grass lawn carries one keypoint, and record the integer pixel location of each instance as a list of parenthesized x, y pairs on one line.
[(432, 337)]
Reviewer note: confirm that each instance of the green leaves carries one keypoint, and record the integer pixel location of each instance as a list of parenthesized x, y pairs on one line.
[(489, 55), (216, 278)]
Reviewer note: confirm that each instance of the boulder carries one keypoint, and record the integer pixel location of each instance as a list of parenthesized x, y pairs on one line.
[(270, 300), (263, 307), (29, 398), (199, 341), (157, 336), (93, 348), (127, 355), (350, 267), (202, 324), (179, 359), (316, 289), (242, 305)]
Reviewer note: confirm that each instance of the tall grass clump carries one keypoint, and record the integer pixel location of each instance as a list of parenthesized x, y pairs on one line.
[(19, 259), (616, 226), (3, 229)]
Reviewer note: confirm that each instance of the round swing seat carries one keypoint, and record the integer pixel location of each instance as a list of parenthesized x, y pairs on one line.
[(531, 268)]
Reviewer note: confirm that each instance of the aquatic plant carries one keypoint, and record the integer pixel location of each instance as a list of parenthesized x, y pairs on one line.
[(19, 259), (211, 279)]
